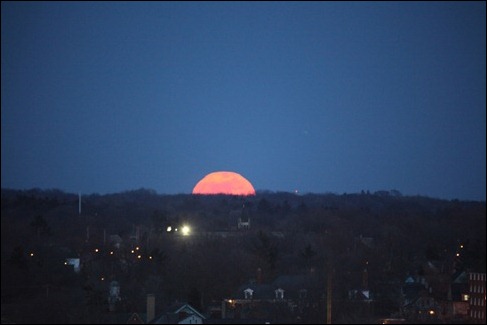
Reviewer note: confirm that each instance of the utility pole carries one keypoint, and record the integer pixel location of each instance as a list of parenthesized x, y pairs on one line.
[(328, 298)]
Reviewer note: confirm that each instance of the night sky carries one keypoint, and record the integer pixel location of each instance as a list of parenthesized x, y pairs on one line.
[(315, 97)]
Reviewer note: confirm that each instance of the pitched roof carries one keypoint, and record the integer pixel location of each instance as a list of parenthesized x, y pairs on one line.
[(176, 313), (291, 284), (135, 319)]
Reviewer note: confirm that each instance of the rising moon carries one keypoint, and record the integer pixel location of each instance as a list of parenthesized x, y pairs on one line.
[(229, 183)]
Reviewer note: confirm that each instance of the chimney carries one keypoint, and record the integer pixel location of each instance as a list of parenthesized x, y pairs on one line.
[(259, 276), (151, 307), (365, 279)]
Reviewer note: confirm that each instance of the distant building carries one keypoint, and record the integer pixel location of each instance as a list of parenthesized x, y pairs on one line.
[(75, 262), (243, 222), (243, 218), (476, 283), (460, 296), (288, 299), (419, 302)]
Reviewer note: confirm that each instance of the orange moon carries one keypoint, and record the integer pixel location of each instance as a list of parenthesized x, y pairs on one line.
[(224, 183)]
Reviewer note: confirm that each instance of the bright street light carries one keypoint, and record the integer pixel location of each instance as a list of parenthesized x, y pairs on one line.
[(185, 230)]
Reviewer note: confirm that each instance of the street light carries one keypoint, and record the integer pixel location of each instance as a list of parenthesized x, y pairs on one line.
[(185, 230)]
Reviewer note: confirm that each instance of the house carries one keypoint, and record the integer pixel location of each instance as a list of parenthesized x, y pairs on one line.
[(179, 314), (243, 222), (476, 283), (360, 298), (419, 304), (459, 296), (287, 299)]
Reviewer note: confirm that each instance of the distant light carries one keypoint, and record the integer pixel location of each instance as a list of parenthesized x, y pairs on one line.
[(31, 254), (150, 257), (102, 278), (111, 252), (431, 312), (137, 248), (461, 246), (176, 229), (139, 256), (132, 251), (465, 297), (230, 300), (169, 229), (186, 230), (65, 263), (96, 250), (458, 254)]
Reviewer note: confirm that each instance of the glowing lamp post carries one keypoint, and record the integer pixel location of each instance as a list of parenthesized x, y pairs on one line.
[(185, 230)]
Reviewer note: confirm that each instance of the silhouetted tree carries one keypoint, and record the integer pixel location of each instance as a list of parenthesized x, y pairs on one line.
[(40, 226), (17, 258), (194, 298)]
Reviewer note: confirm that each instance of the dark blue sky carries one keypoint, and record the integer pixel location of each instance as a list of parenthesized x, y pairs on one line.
[(319, 97)]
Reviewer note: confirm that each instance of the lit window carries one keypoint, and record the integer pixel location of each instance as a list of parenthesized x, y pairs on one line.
[(465, 297)]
